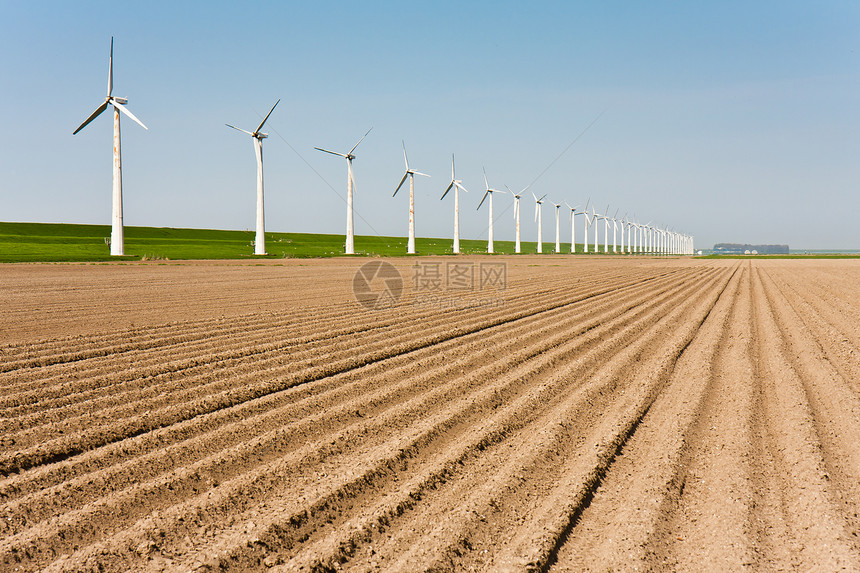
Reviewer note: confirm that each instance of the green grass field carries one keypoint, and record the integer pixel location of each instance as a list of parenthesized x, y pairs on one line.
[(49, 242)]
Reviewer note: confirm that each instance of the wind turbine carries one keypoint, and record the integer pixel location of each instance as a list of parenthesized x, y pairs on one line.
[(594, 219), (587, 223), (538, 203), (606, 230), (572, 226), (623, 224), (490, 193), (517, 215), (117, 240), (456, 184), (410, 248), (557, 228), (260, 239), (349, 247), (615, 231)]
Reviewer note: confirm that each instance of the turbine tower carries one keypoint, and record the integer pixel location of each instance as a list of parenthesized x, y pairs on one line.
[(595, 217), (260, 239), (557, 228), (623, 224), (490, 193), (606, 218), (410, 248), (117, 239), (349, 247), (573, 213), (517, 196), (538, 203), (615, 231), (456, 184), (587, 223)]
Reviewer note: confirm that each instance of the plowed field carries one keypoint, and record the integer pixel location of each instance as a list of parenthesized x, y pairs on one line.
[(595, 414)]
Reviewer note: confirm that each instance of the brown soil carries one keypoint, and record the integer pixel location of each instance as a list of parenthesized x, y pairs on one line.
[(597, 414)]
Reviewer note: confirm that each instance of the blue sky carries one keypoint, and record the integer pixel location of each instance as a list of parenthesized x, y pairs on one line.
[(732, 121)]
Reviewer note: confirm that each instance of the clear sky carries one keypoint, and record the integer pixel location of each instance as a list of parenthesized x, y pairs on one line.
[(734, 121)]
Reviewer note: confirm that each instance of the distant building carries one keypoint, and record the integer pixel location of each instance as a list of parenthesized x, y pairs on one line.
[(740, 249)]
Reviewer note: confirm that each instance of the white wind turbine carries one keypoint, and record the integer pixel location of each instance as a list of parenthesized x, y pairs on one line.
[(585, 227), (595, 217), (557, 228), (615, 231), (517, 215), (538, 203), (117, 239), (456, 184), (606, 218), (410, 248), (573, 213), (490, 193), (349, 247), (260, 239), (623, 224)]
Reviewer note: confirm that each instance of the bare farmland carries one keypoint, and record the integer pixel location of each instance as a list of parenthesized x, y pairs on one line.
[(596, 414)]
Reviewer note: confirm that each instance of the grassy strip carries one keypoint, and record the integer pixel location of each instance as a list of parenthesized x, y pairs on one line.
[(55, 242)]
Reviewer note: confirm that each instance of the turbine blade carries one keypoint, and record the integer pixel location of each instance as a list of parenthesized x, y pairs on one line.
[(446, 191), (405, 175), (317, 148), (487, 192), (238, 129), (125, 110), (267, 116), (92, 116), (457, 183), (542, 198), (359, 141), (419, 173), (453, 177), (405, 159), (110, 68), (485, 179)]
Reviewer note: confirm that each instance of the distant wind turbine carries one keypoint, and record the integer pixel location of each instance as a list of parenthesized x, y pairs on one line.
[(489, 192), (614, 231), (260, 239), (410, 248), (557, 228), (606, 218), (585, 229), (455, 184), (623, 224), (573, 213), (538, 203), (117, 238), (517, 216), (349, 247)]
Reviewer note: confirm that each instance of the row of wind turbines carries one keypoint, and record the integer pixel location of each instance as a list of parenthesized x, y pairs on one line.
[(640, 238)]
